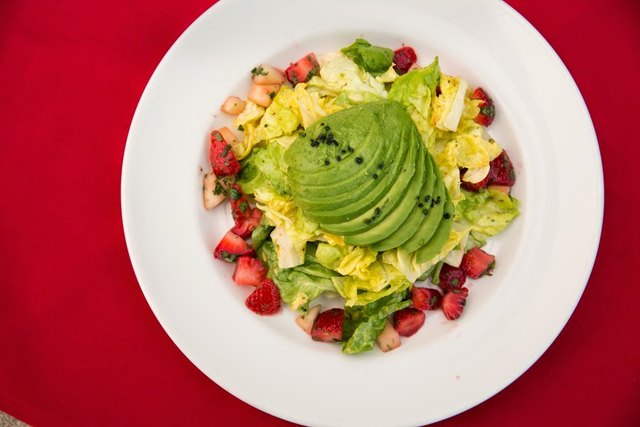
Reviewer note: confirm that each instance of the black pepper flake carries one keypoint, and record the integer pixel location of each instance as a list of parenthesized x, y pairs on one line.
[(367, 221), (377, 211), (438, 200), (375, 176), (433, 203), (314, 143), (420, 205), (446, 215), (380, 165), (427, 198), (425, 211), (350, 148), (359, 160), (338, 158), (303, 134), (322, 124), (343, 151), (327, 162)]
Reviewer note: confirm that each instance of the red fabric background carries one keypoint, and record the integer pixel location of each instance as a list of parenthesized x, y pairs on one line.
[(78, 343)]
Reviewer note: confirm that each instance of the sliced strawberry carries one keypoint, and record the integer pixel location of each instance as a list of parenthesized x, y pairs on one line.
[(231, 247), (408, 321), (302, 70), (453, 303), (476, 263), (328, 326), (403, 59), (245, 227), (502, 172), (487, 109), (223, 161), (249, 271), (451, 277), (425, 298), (245, 217), (265, 299), (477, 186)]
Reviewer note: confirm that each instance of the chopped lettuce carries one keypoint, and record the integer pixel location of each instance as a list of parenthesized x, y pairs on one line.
[(415, 91), (247, 122), (347, 259), (449, 106), (363, 324), (375, 60), (300, 285), (281, 118), (378, 281), (264, 167), (341, 78), (312, 106), (487, 212)]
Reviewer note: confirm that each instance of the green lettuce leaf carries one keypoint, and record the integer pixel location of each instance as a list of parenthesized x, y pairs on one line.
[(488, 212), (375, 60), (415, 91), (363, 324), (261, 234), (265, 166), (299, 285)]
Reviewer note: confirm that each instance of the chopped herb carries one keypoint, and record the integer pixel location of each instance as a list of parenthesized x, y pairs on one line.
[(229, 257), (375, 176), (425, 211), (225, 151), (234, 194), (377, 211), (447, 216), (420, 205), (359, 160), (217, 136), (258, 71), (272, 95), (380, 165), (241, 128), (327, 162), (219, 189), (243, 206), (338, 158)]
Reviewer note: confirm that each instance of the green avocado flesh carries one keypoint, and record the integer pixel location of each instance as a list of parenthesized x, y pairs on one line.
[(365, 174)]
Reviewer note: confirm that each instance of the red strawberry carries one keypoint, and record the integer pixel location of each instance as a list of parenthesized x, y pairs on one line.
[(408, 321), (477, 186), (247, 225), (249, 271), (487, 109), (328, 326), (453, 303), (245, 217), (403, 59), (451, 277), (231, 247), (476, 263), (425, 298), (265, 299), (502, 172), (302, 70), (223, 161)]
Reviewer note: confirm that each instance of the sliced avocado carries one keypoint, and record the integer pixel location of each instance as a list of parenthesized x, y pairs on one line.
[(431, 220), (384, 206), (439, 238), (383, 229), (331, 210), (413, 221)]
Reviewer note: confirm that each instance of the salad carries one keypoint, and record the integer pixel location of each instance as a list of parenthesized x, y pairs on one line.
[(363, 178)]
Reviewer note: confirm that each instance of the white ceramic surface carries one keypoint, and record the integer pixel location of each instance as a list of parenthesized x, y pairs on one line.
[(545, 257)]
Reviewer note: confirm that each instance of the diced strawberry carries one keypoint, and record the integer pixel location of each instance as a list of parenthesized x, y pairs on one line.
[(477, 186), (231, 247), (265, 299), (476, 263), (249, 271), (403, 59), (502, 172), (425, 298), (487, 109), (453, 303), (451, 277), (328, 326), (223, 161), (408, 321), (245, 217), (302, 70)]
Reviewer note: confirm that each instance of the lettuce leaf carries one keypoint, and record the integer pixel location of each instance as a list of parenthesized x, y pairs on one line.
[(363, 324), (264, 167), (488, 212), (415, 91), (281, 118), (375, 60), (300, 285), (247, 121)]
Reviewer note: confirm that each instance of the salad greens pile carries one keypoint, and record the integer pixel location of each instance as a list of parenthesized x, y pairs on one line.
[(304, 259)]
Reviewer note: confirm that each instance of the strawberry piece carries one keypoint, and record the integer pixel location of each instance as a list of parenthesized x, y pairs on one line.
[(231, 247), (408, 321), (453, 303), (302, 70), (403, 59), (478, 185), (223, 161), (451, 277), (425, 298), (487, 109), (476, 263), (502, 172), (245, 217), (265, 299), (328, 326), (249, 271)]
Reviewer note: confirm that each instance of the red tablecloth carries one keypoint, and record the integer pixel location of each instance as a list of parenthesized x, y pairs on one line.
[(79, 344)]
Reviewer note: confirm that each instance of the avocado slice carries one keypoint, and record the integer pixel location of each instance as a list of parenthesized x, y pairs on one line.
[(431, 220), (439, 238), (396, 218), (413, 221), (386, 204)]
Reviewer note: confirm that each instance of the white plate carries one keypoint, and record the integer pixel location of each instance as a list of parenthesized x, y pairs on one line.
[(544, 258)]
